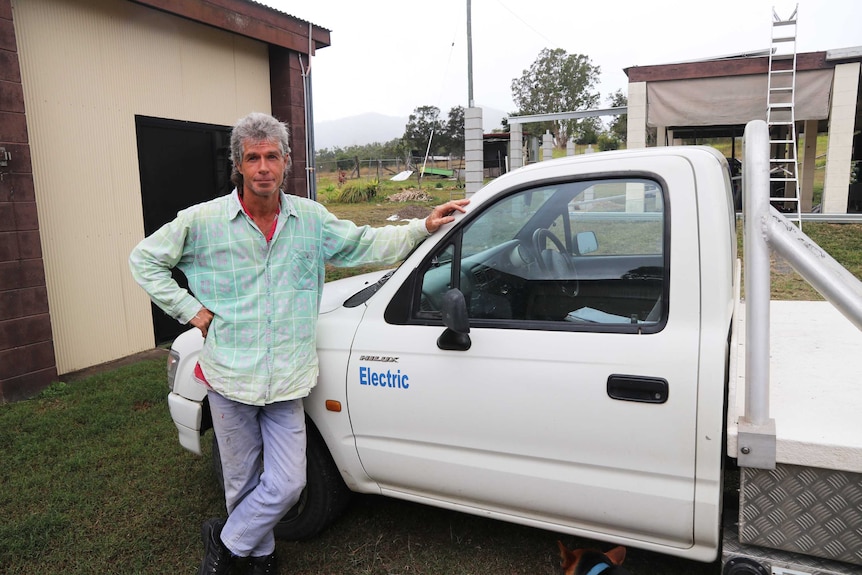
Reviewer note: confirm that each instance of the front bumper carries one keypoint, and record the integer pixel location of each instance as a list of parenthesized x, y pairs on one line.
[(187, 416)]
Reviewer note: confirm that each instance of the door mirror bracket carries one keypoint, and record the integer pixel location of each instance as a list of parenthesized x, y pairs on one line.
[(454, 310)]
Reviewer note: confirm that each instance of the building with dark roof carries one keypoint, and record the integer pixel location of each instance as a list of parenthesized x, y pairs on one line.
[(113, 116), (715, 98)]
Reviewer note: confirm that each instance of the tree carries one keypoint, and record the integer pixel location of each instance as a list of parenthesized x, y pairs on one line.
[(558, 82), (453, 135), (618, 127), (587, 130), (422, 123)]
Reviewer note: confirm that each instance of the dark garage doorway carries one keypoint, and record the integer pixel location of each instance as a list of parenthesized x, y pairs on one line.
[(181, 164)]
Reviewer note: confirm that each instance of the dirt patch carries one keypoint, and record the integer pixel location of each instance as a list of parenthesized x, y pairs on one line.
[(413, 212), (154, 353)]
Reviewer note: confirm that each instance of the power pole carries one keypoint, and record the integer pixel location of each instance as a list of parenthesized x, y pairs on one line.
[(473, 138), (469, 55)]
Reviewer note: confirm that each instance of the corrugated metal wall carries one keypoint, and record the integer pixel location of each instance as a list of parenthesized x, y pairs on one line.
[(88, 67)]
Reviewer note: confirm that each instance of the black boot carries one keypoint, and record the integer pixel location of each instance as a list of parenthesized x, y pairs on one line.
[(217, 557), (263, 565)]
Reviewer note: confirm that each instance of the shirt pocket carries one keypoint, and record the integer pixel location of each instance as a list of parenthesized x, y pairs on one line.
[(302, 271)]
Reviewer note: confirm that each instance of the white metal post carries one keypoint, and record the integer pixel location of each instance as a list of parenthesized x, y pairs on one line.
[(547, 146), (756, 429), (755, 182)]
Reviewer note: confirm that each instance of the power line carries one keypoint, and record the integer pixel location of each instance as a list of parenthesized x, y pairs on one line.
[(527, 24)]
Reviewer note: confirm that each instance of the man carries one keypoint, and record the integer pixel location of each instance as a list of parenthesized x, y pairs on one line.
[(255, 264)]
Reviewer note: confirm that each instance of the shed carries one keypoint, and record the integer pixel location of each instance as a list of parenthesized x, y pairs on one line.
[(718, 96), (113, 115)]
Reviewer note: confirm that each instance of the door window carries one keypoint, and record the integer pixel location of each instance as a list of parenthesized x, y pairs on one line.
[(580, 255)]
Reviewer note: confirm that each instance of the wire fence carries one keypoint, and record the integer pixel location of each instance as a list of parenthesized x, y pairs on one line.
[(388, 168)]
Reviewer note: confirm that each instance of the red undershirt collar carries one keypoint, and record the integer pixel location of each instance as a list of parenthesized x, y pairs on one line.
[(268, 235)]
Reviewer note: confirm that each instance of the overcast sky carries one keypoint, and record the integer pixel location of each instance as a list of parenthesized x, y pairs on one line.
[(391, 56)]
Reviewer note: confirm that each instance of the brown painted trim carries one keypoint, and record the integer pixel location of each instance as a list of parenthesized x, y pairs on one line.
[(247, 19), (16, 188), (27, 361), (21, 274), (18, 216), (7, 34), (20, 246), (9, 69), (11, 96), (13, 128), (35, 329), (288, 101), (23, 302), (27, 385), (719, 68)]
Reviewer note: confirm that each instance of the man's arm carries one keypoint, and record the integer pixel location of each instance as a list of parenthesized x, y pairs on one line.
[(346, 244), (151, 262)]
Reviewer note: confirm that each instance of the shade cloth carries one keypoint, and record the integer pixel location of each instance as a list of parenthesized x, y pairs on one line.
[(732, 100)]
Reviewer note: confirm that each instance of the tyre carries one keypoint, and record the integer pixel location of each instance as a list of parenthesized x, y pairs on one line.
[(322, 501)]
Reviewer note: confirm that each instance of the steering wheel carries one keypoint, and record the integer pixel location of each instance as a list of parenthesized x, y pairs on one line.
[(554, 264)]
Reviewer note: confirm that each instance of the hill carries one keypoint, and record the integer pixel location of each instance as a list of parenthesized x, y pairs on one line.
[(358, 130), (373, 127)]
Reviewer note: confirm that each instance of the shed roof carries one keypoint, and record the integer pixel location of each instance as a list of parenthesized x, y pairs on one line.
[(752, 62), (251, 19)]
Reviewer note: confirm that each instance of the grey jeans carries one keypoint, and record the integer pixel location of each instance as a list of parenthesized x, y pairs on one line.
[(257, 499)]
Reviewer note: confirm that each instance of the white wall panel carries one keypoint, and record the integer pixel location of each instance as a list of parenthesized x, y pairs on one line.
[(88, 67)]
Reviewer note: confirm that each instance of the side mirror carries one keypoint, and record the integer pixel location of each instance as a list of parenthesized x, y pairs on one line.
[(457, 322), (586, 243)]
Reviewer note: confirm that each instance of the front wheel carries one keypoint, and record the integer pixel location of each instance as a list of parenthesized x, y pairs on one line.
[(322, 501)]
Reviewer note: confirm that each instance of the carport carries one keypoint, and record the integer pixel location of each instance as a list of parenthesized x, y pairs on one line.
[(676, 103)]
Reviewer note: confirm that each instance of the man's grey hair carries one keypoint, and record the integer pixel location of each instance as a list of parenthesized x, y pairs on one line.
[(257, 127)]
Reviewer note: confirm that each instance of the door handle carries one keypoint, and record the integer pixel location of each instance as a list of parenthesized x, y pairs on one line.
[(637, 388)]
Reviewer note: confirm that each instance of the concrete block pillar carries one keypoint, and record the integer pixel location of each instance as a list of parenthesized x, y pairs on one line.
[(809, 155), (473, 150), (516, 146), (547, 146), (570, 147), (842, 116), (635, 196), (637, 116)]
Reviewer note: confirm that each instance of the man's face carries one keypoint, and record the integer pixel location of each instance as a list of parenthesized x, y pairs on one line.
[(262, 168)]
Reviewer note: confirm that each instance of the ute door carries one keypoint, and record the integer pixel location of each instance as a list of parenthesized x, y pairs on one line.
[(573, 403)]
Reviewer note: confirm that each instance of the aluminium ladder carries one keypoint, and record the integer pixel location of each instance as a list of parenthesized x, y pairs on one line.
[(781, 118)]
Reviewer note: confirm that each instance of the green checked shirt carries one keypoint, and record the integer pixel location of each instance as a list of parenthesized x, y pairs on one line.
[(260, 347)]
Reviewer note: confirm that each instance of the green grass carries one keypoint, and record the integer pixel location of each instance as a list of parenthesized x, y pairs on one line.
[(841, 241), (375, 211), (94, 481)]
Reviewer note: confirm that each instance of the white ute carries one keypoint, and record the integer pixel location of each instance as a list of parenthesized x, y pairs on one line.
[(573, 354)]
